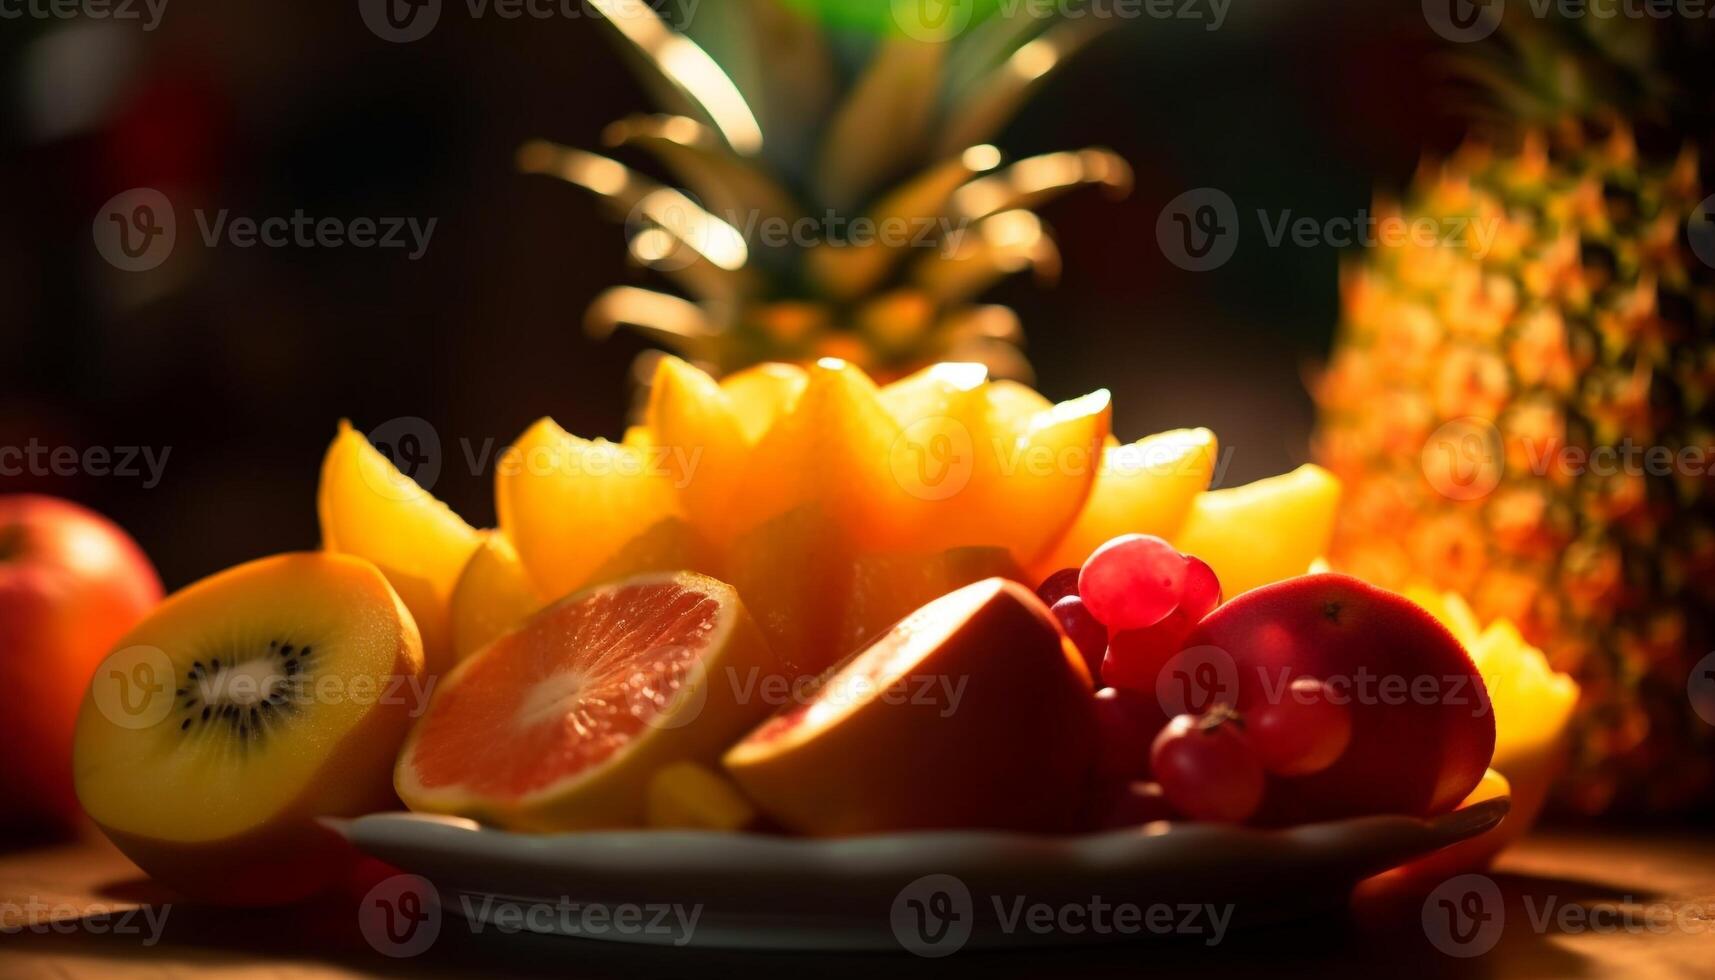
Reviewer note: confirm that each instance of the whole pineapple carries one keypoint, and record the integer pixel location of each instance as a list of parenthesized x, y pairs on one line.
[(836, 194), (1493, 396)]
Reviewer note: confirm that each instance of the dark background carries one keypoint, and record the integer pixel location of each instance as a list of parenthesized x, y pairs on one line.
[(242, 360)]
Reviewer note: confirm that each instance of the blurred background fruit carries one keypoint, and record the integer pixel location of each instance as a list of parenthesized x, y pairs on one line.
[(1475, 375), (71, 583)]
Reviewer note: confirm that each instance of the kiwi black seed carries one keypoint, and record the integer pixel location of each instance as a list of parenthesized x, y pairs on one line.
[(248, 723)]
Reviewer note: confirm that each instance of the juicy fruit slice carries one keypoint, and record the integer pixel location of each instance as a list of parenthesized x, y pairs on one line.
[(569, 504), (794, 573), (1265, 531), (1147, 487), (1133, 581), (1046, 470), (686, 796), (562, 723), (493, 595), (689, 411), (370, 509), (972, 712), (1422, 727), (759, 395), (669, 545), (242, 709), (886, 588)]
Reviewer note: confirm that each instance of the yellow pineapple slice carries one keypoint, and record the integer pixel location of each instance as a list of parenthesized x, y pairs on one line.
[(369, 509), (569, 505), (494, 593), (759, 395), (831, 448), (689, 413), (1046, 472), (1264, 531), (1147, 487)]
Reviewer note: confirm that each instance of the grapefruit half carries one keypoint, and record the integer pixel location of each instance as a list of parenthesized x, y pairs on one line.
[(562, 723)]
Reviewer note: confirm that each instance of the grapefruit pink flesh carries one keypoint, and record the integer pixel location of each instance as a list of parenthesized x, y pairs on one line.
[(562, 723)]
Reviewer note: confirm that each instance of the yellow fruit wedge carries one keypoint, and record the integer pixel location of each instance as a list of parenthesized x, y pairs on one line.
[(494, 594), (793, 573), (933, 391), (669, 545), (686, 796), (690, 413), (569, 504), (759, 395), (1013, 405), (1264, 531), (1146, 487), (941, 457), (831, 447), (370, 509), (886, 588), (1045, 474)]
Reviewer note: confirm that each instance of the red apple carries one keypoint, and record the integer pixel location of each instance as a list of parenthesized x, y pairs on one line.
[(71, 584), (1422, 728)]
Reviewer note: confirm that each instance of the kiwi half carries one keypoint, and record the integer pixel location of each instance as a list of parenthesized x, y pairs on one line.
[(245, 707)]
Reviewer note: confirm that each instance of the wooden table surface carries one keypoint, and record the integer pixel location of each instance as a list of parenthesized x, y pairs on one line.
[(1575, 905)]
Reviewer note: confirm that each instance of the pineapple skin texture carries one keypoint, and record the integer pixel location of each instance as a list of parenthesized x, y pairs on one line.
[(1469, 374)]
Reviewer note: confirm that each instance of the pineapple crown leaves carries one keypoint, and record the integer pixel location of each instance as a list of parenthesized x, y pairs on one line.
[(769, 118)]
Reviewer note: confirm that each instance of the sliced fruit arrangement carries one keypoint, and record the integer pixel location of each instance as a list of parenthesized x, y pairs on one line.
[(241, 710), (563, 722)]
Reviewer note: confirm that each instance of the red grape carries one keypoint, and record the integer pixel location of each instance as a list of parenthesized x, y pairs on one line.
[(1202, 589), (1207, 768), (1126, 725), (1304, 732), (1058, 586), (1135, 657), (1133, 581), (1089, 636)]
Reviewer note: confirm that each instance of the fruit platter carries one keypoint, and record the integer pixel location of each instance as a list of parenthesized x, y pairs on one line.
[(759, 657)]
